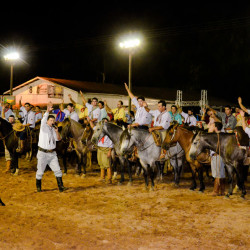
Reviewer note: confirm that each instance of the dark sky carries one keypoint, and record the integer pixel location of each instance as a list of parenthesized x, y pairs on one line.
[(188, 47)]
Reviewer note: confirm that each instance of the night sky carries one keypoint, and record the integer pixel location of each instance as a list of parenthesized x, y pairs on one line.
[(188, 47)]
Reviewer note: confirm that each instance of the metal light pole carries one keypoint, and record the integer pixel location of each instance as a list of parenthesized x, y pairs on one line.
[(11, 57), (130, 45), (129, 77)]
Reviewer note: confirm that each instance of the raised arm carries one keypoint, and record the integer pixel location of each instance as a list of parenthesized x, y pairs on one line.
[(20, 102), (70, 97), (214, 111), (242, 113), (108, 109), (129, 92), (84, 101), (241, 105)]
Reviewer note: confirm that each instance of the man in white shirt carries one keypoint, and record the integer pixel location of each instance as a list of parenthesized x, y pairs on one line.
[(162, 118), (29, 121), (190, 120), (71, 113), (142, 117), (93, 109), (7, 111), (38, 114), (46, 155)]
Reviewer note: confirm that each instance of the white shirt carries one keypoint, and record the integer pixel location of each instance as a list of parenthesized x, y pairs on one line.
[(161, 119), (93, 113), (7, 113), (29, 117), (248, 111), (47, 136), (73, 115), (105, 143), (38, 116), (189, 119), (142, 117)]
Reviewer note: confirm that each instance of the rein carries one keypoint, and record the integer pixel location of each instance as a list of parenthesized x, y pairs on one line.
[(3, 138), (170, 156)]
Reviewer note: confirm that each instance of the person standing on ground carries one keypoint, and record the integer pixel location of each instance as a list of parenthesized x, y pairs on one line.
[(47, 150)]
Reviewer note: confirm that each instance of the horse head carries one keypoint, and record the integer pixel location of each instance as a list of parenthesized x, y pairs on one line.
[(126, 141), (64, 128), (171, 135), (196, 146), (98, 132)]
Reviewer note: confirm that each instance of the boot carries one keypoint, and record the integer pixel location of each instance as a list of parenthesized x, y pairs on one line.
[(60, 184), (21, 148), (102, 178), (216, 187), (222, 186), (8, 164), (38, 185), (109, 175)]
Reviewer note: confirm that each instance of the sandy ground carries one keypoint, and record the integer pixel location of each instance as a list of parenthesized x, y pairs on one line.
[(94, 215)]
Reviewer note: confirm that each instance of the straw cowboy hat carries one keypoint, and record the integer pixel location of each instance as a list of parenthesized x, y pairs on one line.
[(19, 127)]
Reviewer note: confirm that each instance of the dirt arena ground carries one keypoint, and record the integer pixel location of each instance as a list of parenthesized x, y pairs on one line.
[(94, 215)]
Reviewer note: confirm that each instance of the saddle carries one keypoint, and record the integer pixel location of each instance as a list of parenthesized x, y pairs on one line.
[(158, 136)]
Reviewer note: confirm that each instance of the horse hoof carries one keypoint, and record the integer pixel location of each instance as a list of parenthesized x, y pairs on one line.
[(130, 183), (227, 196), (192, 188), (151, 189), (64, 174), (83, 176)]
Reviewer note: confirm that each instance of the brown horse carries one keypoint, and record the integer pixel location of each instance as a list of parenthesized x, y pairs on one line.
[(81, 140), (184, 135)]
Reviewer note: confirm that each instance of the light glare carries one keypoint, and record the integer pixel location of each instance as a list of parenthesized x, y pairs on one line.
[(130, 43), (12, 56)]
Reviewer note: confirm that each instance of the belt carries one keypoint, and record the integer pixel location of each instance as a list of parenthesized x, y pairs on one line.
[(143, 127), (46, 150)]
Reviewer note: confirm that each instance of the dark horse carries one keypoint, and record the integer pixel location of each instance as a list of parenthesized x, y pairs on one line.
[(81, 140), (226, 145), (184, 136), (10, 140)]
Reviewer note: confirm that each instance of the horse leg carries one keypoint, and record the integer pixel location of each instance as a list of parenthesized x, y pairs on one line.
[(122, 163), (145, 174), (194, 185), (200, 174), (230, 180), (152, 176), (115, 168), (78, 165), (240, 174), (130, 173)]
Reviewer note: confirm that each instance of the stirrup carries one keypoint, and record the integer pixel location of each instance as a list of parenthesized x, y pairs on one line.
[(162, 156)]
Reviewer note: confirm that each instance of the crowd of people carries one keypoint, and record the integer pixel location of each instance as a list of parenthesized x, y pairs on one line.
[(141, 116)]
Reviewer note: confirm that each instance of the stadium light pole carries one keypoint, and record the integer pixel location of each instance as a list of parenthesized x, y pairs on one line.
[(130, 45), (12, 58)]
